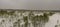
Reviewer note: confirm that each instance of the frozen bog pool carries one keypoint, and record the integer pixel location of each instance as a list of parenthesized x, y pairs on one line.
[(29, 19)]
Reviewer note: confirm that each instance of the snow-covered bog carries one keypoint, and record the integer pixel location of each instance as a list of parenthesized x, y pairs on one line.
[(29, 18)]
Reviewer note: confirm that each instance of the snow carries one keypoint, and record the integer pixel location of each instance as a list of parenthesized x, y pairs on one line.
[(51, 23)]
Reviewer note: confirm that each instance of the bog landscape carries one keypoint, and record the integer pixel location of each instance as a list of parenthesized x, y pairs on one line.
[(29, 18)]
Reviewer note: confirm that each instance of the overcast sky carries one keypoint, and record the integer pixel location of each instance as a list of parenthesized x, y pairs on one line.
[(30, 4)]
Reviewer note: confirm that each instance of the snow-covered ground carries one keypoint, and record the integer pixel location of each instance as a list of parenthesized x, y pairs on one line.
[(53, 20), (9, 21)]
